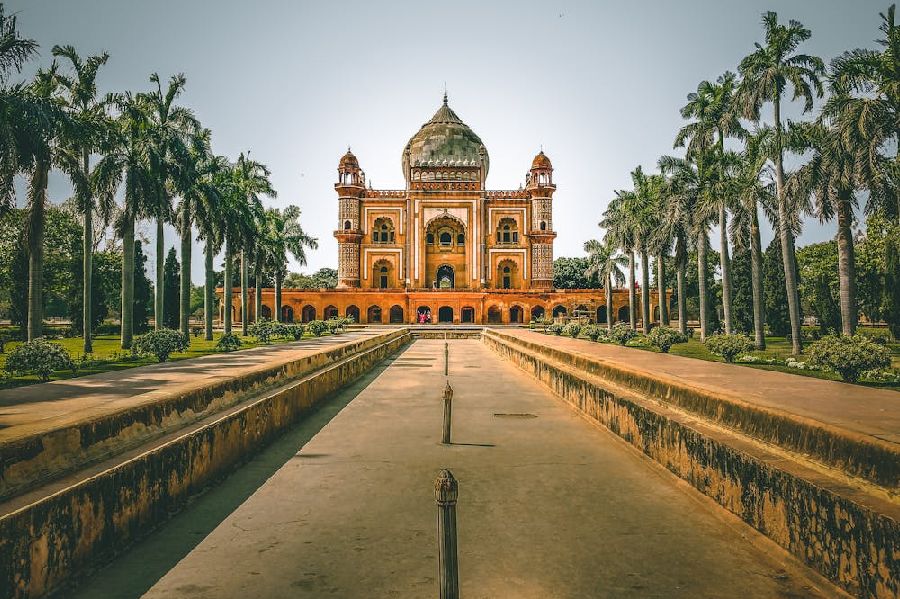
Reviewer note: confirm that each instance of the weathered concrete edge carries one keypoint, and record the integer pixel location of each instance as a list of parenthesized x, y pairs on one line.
[(863, 456), (44, 543), (42, 457), (849, 543)]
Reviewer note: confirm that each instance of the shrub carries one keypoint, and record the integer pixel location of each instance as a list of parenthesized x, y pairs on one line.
[(572, 329), (335, 325), (39, 356), (196, 331), (161, 343), (849, 356), (229, 342), (317, 327), (729, 346), (264, 329), (555, 328), (592, 332), (294, 331), (663, 338), (621, 333)]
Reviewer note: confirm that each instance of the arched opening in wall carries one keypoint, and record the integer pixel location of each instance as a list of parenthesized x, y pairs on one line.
[(543, 225), (347, 225), (266, 312), (537, 312), (445, 277), (445, 239), (623, 314), (423, 314), (287, 314), (308, 314), (445, 232), (445, 314), (352, 312), (507, 272), (396, 315), (559, 311), (467, 314), (383, 230), (601, 315), (655, 313), (516, 314), (373, 314), (382, 274), (581, 311), (507, 231), (331, 312), (494, 316)]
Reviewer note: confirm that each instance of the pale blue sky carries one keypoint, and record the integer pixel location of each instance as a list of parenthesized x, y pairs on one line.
[(599, 84)]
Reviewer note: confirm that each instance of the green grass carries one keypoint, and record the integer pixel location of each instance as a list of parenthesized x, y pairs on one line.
[(106, 347)]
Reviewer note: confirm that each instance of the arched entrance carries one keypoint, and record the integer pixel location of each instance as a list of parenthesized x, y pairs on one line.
[(396, 315), (601, 315), (507, 275), (352, 312), (467, 314), (559, 311), (423, 314), (287, 314), (494, 316), (266, 312), (308, 314), (516, 314), (537, 312), (445, 277), (623, 314), (445, 314), (330, 312), (373, 314), (382, 275)]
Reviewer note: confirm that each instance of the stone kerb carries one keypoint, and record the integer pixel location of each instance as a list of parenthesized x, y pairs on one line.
[(34, 455), (849, 533)]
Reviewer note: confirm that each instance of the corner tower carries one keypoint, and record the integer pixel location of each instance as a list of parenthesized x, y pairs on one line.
[(540, 187), (350, 188)]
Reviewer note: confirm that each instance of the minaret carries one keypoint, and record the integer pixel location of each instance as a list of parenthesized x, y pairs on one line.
[(350, 187), (540, 187)]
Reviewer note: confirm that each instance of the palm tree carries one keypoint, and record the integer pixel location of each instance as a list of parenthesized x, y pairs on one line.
[(80, 100), (642, 216), (675, 225), (606, 264), (829, 178), (766, 73), (620, 234), (215, 183), (252, 180), (171, 129), (285, 235), (753, 186)]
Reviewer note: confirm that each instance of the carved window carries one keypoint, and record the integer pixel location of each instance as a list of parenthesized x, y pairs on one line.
[(383, 231), (507, 231), (446, 239)]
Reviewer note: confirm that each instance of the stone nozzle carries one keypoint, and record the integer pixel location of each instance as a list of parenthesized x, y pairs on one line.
[(446, 489)]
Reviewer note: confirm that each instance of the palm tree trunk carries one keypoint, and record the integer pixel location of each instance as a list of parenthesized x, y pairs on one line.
[(725, 262), (227, 289), (661, 288), (632, 299), (257, 295), (36, 209), (209, 292), (645, 291), (609, 302), (87, 262), (244, 297), (158, 306), (184, 307), (701, 278), (846, 266), (682, 300), (278, 296), (127, 325), (787, 238), (756, 281)]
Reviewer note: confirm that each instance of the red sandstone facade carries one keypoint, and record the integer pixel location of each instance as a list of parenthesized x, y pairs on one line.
[(445, 244)]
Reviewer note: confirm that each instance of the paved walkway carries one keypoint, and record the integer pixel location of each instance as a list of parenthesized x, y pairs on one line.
[(865, 410), (550, 505), (46, 406)]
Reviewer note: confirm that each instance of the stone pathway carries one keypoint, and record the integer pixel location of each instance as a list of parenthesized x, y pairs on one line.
[(550, 505)]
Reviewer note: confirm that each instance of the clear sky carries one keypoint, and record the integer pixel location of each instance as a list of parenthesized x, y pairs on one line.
[(598, 84)]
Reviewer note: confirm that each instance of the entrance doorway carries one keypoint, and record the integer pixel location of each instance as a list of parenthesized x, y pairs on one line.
[(467, 315), (445, 277), (445, 314), (516, 314)]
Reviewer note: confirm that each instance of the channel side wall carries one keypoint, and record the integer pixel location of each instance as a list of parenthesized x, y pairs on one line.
[(39, 456), (44, 543), (848, 532)]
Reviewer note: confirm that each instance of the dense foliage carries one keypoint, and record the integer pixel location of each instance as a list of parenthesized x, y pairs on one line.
[(849, 356), (228, 342), (161, 343), (729, 346), (663, 338), (621, 333), (40, 357)]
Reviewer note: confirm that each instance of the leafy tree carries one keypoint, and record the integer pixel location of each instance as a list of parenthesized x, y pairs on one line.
[(741, 280), (606, 266), (767, 72), (142, 304), (817, 264), (283, 235), (569, 273), (324, 278), (879, 272), (172, 284), (775, 291)]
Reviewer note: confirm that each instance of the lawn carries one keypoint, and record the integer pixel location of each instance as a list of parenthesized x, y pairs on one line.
[(107, 348)]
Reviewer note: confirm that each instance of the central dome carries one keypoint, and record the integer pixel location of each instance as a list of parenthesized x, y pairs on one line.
[(445, 141)]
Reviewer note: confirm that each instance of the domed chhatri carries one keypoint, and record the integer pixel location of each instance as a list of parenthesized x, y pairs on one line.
[(445, 140), (348, 161), (541, 161)]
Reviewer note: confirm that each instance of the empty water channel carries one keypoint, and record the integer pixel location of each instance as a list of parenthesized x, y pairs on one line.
[(550, 505)]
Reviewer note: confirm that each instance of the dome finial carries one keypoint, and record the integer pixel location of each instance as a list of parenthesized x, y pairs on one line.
[(445, 93)]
